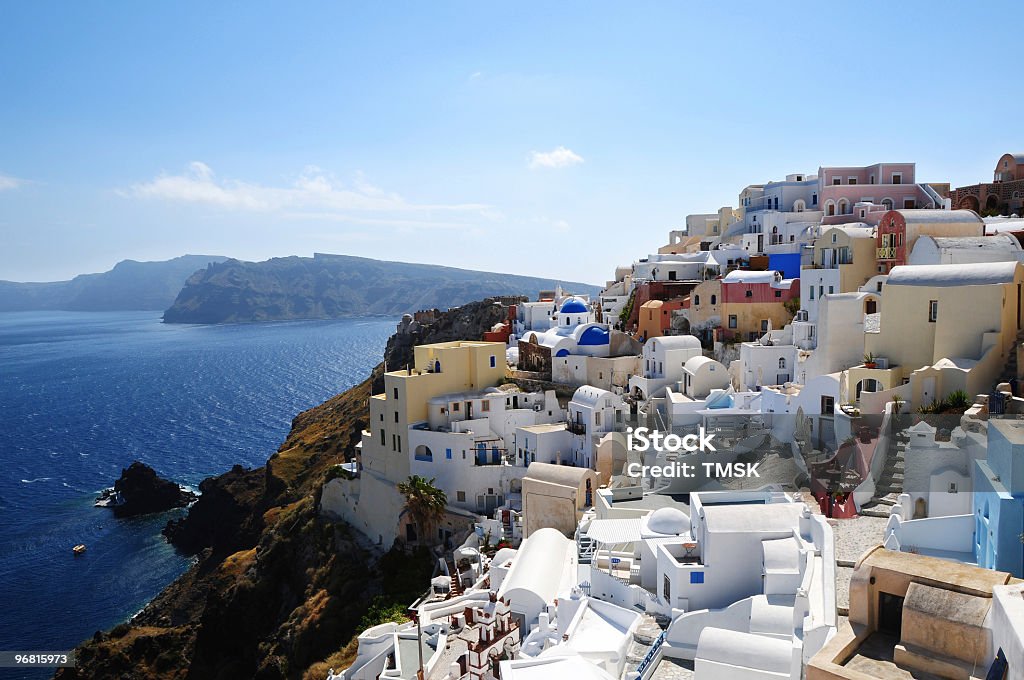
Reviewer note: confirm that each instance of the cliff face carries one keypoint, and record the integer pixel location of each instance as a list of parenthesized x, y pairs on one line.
[(332, 286), (277, 592), (130, 285)]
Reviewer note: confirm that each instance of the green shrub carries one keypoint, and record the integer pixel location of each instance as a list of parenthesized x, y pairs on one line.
[(958, 399)]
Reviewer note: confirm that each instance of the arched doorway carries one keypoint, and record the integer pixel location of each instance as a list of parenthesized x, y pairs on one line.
[(868, 385), (969, 203)]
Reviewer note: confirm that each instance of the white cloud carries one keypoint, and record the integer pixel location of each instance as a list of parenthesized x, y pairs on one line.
[(559, 157), (556, 224), (7, 183), (314, 194)]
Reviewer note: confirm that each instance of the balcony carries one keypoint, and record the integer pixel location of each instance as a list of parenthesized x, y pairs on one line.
[(886, 253), (576, 427)]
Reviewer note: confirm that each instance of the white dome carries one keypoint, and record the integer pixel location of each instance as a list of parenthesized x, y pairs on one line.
[(670, 521)]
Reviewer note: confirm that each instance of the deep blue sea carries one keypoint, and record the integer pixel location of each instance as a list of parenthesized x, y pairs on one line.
[(84, 394)]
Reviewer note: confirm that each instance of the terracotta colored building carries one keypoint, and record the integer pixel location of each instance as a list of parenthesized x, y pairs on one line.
[(898, 231), (1003, 195)]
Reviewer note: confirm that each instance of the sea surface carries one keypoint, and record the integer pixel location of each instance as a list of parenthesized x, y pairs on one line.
[(82, 395)]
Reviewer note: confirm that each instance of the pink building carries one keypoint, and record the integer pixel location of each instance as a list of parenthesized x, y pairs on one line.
[(879, 187)]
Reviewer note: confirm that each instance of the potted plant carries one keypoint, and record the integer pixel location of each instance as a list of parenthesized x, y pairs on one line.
[(869, 360)]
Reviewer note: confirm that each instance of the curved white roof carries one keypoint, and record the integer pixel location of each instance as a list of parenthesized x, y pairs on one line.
[(935, 216), (537, 569), (675, 342), (741, 276), (855, 230), (945, 275), (997, 242), (669, 521), (745, 650), (693, 364), (563, 475), (589, 395)]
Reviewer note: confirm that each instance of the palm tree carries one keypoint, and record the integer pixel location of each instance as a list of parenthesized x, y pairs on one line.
[(425, 502)]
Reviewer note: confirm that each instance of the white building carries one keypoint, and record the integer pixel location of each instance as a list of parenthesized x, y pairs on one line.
[(592, 413), (543, 569), (663, 360), (468, 445), (1002, 247), (780, 607), (695, 266)]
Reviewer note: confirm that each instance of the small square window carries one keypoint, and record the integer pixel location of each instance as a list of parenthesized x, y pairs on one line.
[(778, 293), (460, 496), (696, 577)]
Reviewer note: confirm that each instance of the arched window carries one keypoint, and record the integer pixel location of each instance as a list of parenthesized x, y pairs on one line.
[(714, 299), (887, 203), (830, 208), (799, 205), (696, 299), (782, 362), (749, 293), (844, 206)]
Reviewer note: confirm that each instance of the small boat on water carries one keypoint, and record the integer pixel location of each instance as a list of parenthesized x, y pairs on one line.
[(78, 549)]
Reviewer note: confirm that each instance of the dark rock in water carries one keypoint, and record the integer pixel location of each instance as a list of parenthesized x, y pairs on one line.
[(140, 491), (221, 518)]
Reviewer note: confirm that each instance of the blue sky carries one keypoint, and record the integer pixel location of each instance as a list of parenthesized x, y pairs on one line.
[(521, 137)]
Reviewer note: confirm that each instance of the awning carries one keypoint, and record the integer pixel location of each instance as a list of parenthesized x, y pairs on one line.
[(612, 531)]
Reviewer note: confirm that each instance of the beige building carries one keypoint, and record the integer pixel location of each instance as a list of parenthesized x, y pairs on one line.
[(704, 309), (555, 496), (370, 502), (441, 368), (913, 616), (843, 260), (942, 328)]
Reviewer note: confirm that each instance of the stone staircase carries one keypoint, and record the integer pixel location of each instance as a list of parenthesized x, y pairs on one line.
[(1010, 369), (453, 571), (890, 483)]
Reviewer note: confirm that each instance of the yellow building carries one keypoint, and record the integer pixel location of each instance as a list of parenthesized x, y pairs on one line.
[(943, 328), (441, 368), (850, 251)]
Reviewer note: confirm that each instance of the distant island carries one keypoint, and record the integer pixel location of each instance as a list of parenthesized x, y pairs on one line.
[(336, 286), (129, 286)]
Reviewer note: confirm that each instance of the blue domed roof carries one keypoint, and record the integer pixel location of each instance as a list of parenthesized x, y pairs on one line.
[(595, 335), (573, 306), (562, 353)]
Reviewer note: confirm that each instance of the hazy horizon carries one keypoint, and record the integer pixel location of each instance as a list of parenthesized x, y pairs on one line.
[(554, 141)]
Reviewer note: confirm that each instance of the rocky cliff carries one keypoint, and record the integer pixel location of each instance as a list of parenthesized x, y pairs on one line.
[(333, 286), (277, 592), (130, 285)]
